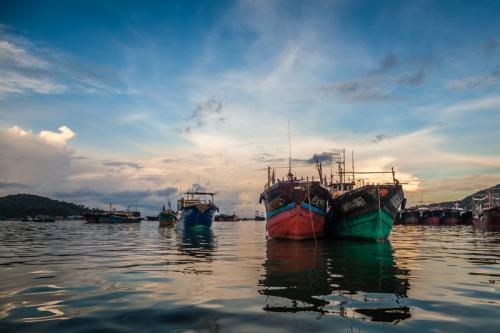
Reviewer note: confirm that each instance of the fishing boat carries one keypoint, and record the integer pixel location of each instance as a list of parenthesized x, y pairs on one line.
[(409, 217), (113, 216), (152, 218), (486, 209), (226, 218), (452, 216), (197, 212), (431, 216), (259, 216), (295, 208), (167, 217), (367, 212)]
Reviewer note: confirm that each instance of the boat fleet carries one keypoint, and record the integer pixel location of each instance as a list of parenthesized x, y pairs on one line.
[(303, 208)]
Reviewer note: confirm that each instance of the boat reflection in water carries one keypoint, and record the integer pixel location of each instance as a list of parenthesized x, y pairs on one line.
[(347, 278), (199, 244), (295, 271)]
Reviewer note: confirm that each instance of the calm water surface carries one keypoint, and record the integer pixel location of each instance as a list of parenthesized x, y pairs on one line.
[(74, 277)]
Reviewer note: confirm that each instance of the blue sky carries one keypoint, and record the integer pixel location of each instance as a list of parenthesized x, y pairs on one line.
[(179, 90)]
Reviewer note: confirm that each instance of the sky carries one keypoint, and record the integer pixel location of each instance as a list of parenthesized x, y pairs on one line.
[(130, 102)]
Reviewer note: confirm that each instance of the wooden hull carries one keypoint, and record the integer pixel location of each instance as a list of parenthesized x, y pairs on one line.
[(297, 222), (197, 217), (490, 217), (296, 209), (372, 225), (450, 221), (166, 219), (110, 218), (365, 213), (431, 220)]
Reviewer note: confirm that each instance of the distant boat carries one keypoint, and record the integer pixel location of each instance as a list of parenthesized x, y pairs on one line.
[(486, 209), (367, 212), (196, 211), (431, 216), (227, 218), (259, 216), (453, 216), (167, 217), (113, 216), (152, 218), (410, 217), (43, 218)]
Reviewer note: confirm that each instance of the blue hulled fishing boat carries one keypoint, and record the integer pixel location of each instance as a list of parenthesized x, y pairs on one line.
[(197, 210)]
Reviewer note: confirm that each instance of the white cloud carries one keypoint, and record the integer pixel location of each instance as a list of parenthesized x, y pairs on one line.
[(57, 138), (26, 68), (482, 103), (64, 135)]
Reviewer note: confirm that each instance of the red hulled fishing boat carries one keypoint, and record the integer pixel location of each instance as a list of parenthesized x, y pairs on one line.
[(295, 208)]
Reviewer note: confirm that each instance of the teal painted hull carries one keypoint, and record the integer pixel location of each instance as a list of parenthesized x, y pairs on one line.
[(374, 225)]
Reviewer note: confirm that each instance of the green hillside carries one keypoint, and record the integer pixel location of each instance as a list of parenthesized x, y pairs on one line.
[(22, 205)]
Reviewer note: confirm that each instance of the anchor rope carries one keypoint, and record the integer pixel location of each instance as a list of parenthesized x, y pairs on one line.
[(310, 214)]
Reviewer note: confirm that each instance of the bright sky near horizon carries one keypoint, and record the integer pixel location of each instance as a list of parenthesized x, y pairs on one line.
[(128, 101)]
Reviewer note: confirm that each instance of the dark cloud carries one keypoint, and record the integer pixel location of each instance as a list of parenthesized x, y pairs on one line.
[(121, 164), (185, 130), (206, 109), (268, 158), (473, 82), (198, 188), (490, 47), (321, 157), (4, 185), (31, 68), (358, 90), (389, 62), (381, 137), (382, 83), (147, 199), (412, 79)]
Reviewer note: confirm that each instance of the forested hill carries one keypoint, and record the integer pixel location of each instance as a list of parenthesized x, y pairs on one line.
[(23, 205)]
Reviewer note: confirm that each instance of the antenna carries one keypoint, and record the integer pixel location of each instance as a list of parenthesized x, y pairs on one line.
[(289, 152)]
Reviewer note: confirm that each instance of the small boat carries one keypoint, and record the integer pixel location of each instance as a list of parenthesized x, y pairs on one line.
[(167, 217), (367, 212), (43, 218), (152, 218), (196, 211), (259, 216), (227, 218)]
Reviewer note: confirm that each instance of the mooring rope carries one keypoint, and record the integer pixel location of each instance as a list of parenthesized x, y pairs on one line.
[(379, 212), (310, 214)]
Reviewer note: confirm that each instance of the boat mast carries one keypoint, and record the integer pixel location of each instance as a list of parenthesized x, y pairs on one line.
[(352, 162), (290, 175)]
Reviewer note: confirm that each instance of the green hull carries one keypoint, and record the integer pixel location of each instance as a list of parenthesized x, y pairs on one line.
[(165, 218), (373, 225)]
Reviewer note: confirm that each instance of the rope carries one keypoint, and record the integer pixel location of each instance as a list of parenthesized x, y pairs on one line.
[(310, 215), (379, 212)]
